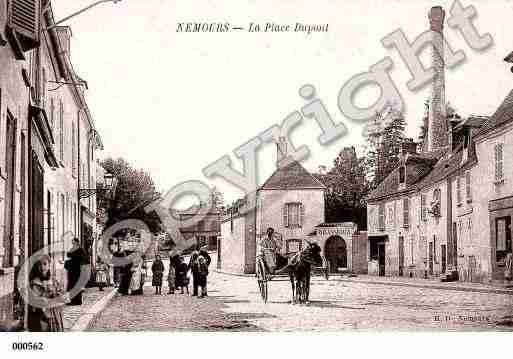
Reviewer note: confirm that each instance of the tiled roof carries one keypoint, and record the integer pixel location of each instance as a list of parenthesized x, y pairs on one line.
[(417, 167), (292, 176), (503, 115), (424, 175)]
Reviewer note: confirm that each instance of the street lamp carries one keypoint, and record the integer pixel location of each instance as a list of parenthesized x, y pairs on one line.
[(108, 186), (81, 11), (509, 59)]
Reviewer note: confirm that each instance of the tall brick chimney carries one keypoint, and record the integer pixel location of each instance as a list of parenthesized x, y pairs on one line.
[(437, 132), (281, 158), (64, 34)]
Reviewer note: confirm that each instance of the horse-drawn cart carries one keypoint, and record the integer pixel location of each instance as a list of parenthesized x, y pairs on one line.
[(300, 289)]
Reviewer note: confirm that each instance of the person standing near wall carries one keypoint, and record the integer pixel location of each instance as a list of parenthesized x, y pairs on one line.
[(77, 259)]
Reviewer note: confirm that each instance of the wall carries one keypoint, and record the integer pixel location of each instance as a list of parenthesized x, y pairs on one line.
[(484, 179), (270, 211), (233, 252), (14, 96), (359, 253)]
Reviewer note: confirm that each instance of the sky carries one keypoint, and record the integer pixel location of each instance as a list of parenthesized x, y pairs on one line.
[(174, 102)]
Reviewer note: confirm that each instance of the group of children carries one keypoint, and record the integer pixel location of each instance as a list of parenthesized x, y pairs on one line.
[(177, 277)]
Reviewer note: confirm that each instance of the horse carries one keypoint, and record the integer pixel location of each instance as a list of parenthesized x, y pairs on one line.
[(299, 268)]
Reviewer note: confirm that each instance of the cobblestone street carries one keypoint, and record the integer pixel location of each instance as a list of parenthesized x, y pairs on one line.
[(235, 304)]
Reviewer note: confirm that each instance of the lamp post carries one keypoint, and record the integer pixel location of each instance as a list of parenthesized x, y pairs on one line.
[(108, 186), (509, 59), (81, 11)]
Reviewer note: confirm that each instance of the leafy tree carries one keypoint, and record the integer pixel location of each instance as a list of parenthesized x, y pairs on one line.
[(135, 189), (347, 187), (384, 146)]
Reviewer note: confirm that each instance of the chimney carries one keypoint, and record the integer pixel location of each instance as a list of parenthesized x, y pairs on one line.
[(408, 146), (437, 132), (64, 34), (281, 152)]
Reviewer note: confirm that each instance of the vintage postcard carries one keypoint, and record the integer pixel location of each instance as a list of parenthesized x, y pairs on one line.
[(255, 166)]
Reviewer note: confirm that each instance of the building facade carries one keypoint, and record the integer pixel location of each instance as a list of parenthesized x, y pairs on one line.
[(445, 211), (292, 202), (49, 139)]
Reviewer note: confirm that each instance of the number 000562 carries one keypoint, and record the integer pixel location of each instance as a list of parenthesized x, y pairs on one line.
[(27, 346)]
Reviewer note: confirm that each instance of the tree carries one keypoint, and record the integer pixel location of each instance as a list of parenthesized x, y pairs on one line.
[(384, 146), (135, 189), (347, 188)]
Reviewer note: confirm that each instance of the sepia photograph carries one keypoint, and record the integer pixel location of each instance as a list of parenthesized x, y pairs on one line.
[(260, 167)]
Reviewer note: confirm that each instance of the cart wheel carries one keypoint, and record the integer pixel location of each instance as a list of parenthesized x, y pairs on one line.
[(262, 280)]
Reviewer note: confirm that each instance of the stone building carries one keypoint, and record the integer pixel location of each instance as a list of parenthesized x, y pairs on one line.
[(292, 202), (203, 233), (443, 212)]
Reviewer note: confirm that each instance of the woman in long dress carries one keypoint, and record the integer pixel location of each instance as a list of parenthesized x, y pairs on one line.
[(158, 272), (136, 279), (77, 257), (47, 298)]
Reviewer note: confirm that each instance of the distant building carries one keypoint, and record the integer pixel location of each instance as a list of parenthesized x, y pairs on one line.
[(292, 202), (203, 233)]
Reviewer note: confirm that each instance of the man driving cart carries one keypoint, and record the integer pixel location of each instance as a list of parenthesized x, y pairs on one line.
[(270, 249)]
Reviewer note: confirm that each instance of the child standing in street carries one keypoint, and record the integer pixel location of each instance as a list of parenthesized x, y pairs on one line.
[(202, 276), (181, 276), (171, 277), (101, 275)]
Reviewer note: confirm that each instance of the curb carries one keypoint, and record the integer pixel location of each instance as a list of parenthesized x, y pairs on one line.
[(433, 286), (234, 274), (88, 317)]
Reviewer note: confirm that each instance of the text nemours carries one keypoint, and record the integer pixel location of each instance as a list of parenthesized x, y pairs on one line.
[(254, 27)]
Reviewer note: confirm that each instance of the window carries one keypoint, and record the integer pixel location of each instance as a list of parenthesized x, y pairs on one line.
[(467, 187), (503, 237), (73, 150), (293, 215), (406, 212), (458, 190), (61, 131), (423, 209), (434, 249), (499, 162), (402, 174), (390, 217), (381, 217)]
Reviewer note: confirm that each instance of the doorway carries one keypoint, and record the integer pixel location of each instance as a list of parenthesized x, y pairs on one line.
[(401, 256), (444, 257), (10, 161), (381, 259), (335, 251), (431, 257)]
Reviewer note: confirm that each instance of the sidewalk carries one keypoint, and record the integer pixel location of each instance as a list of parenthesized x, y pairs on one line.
[(79, 317)]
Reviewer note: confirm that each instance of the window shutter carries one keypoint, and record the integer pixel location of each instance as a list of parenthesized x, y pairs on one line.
[(23, 24), (467, 184), (381, 217), (301, 215), (423, 207), (458, 189), (406, 212), (499, 161), (286, 215)]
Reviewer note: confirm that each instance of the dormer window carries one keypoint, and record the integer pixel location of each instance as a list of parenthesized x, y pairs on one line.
[(402, 174)]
